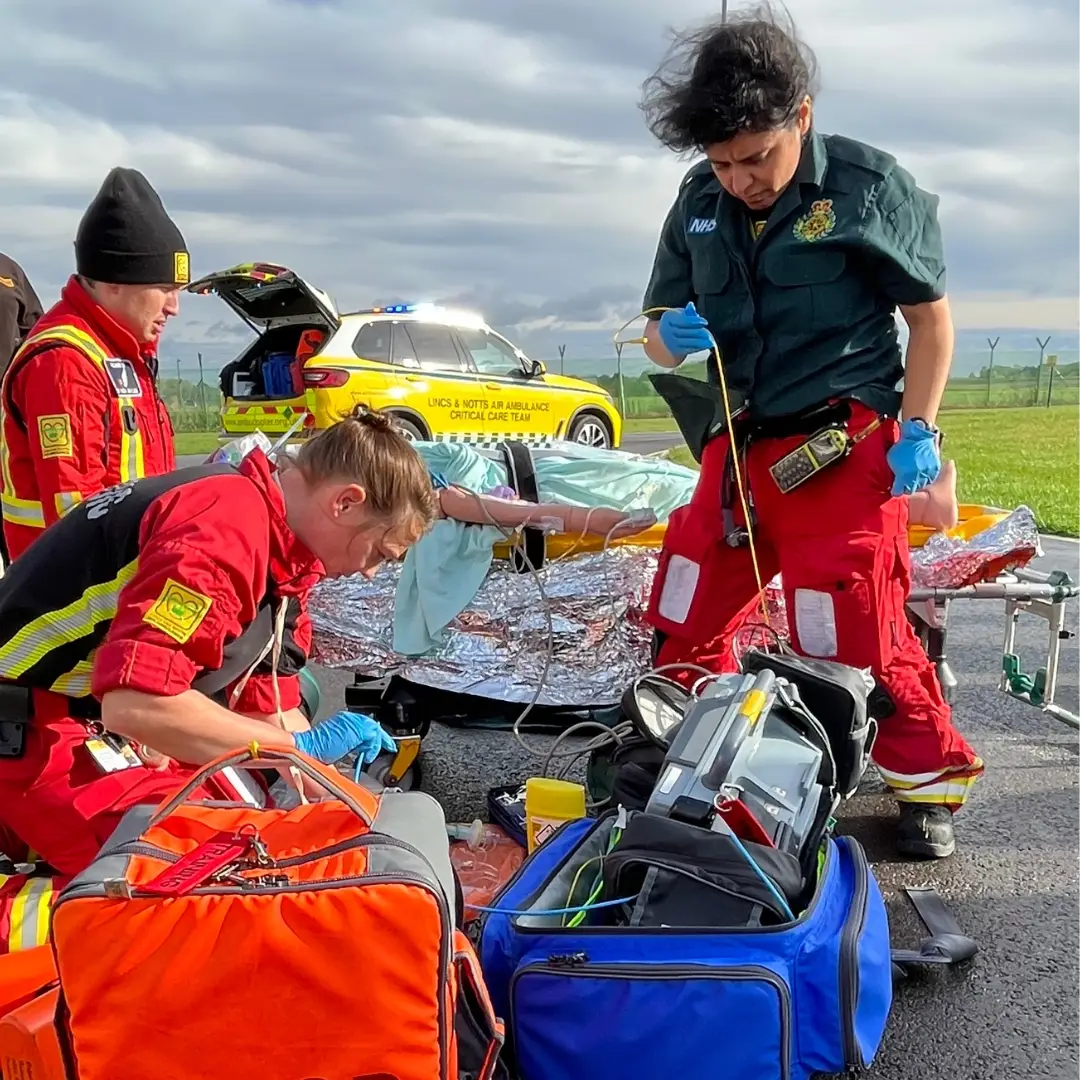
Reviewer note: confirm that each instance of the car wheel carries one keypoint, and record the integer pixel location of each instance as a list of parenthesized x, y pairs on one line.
[(590, 430), (410, 429)]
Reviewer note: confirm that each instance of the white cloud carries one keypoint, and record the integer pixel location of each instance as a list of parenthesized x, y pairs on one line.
[(501, 156)]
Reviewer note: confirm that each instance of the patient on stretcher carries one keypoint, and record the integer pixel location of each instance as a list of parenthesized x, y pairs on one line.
[(471, 507), (936, 506)]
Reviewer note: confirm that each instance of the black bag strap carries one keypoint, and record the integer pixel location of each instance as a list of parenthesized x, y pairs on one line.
[(241, 653), (521, 473), (947, 943)]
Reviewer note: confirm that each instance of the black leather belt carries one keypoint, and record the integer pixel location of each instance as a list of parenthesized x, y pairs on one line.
[(804, 423)]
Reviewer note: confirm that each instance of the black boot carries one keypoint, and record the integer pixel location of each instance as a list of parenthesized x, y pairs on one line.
[(925, 831)]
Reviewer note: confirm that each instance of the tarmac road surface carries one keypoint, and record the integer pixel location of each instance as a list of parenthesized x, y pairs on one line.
[(1012, 885)]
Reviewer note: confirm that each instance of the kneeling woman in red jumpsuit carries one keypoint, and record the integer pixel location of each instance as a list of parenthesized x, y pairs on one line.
[(110, 623)]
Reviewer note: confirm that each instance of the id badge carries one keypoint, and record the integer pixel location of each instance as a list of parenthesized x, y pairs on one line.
[(111, 755)]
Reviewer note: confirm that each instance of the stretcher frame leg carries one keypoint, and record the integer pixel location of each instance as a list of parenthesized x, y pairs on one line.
[(1044, 595), (1053, 612), (931, 622)]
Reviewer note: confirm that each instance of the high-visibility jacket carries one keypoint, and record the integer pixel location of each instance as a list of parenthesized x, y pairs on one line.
[(79, 411), (25, 903), (149, 585)]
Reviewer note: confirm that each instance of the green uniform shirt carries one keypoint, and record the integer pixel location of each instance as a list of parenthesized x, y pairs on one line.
[(805, 311)]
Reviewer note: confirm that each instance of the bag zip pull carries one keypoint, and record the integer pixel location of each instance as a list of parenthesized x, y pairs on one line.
[(577, 959)]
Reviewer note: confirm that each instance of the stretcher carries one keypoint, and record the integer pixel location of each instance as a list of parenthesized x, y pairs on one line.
[(1023, 591)]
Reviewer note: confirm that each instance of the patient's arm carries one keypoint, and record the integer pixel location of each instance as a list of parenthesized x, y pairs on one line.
[(460, 504), (935, 506)]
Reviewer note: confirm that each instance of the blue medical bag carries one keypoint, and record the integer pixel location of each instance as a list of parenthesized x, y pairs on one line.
[(755, 1002), (277, 375)]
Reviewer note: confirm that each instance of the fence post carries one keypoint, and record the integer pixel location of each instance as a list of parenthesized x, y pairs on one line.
[(1051, 363), (179, 393), (1038, 374), (990, 370), (618, 370), (562, 359), (202, 397)]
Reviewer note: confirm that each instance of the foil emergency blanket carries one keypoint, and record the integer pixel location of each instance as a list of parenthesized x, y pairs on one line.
[(946, 562), (499, 645)]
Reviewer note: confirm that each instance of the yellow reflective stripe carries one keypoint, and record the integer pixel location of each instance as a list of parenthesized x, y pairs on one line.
[(949, 791), (47, 632), (30, 915), (132, 466), (951, 797), (66, 500), (69, 335), (76, 683), (906, 781), (23, 511), (131, 447)]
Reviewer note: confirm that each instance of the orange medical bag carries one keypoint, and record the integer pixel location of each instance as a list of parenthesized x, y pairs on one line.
[(24, 975), (29, 1049), (212, 940)]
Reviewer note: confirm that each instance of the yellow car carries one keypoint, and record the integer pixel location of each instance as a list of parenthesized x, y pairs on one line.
[(446, 375)]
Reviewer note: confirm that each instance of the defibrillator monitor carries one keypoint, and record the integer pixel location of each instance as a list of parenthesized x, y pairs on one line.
[(739, 743)]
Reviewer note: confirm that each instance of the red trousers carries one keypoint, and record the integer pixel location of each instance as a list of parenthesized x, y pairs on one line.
[(840, 544), (56, 801)]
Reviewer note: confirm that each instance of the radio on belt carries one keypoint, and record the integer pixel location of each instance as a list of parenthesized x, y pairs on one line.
[(733, 744), (809, 458)]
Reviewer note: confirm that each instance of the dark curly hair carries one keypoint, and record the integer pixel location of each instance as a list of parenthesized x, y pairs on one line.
[(750, 73)]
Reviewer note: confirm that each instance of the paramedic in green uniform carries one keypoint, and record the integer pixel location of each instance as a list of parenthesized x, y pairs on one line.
[(792, 251)]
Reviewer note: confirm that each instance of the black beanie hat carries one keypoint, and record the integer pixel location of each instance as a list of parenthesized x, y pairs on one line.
[(126, 238)]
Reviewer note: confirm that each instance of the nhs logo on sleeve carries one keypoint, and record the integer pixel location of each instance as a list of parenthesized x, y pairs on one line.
[(701, 225)]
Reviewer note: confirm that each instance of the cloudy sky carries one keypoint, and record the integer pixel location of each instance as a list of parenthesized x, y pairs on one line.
[(492, 151)]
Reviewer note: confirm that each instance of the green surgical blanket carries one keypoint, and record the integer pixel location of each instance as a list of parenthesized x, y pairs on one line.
[(443, 571)]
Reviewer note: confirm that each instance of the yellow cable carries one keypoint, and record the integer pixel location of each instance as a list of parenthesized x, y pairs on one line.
[(739, 484)]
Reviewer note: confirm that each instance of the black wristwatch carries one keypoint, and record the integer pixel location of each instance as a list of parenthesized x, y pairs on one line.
[(933, 428)]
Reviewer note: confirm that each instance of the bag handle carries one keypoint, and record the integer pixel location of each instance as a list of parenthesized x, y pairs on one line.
[(356, 798)]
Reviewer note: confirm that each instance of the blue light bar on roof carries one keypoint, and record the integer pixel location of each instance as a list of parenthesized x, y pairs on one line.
[(394, 309)]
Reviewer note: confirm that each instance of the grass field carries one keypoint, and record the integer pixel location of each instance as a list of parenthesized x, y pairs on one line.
[(1004, 457), (1009, 457), (195, 442)]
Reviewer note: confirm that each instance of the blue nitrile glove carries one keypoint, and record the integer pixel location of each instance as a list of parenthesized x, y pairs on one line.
[(915, 458), (342, 733), (684, 331)]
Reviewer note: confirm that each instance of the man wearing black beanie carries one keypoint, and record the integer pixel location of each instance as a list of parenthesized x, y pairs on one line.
[(79, 402)]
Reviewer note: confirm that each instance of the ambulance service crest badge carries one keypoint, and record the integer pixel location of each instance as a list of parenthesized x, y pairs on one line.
[(817, 224)]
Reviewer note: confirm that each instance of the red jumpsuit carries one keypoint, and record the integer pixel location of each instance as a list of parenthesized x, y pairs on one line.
[(221, 539), (79, 411), (840, 543)]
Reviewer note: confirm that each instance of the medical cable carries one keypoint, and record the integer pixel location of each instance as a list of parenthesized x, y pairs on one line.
[(613, 735), (594, 892), (607, 734), (768, 883), (545, 754), (740, 483)]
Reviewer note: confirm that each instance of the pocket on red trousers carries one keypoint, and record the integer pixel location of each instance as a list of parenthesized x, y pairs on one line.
[(689, 577)]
